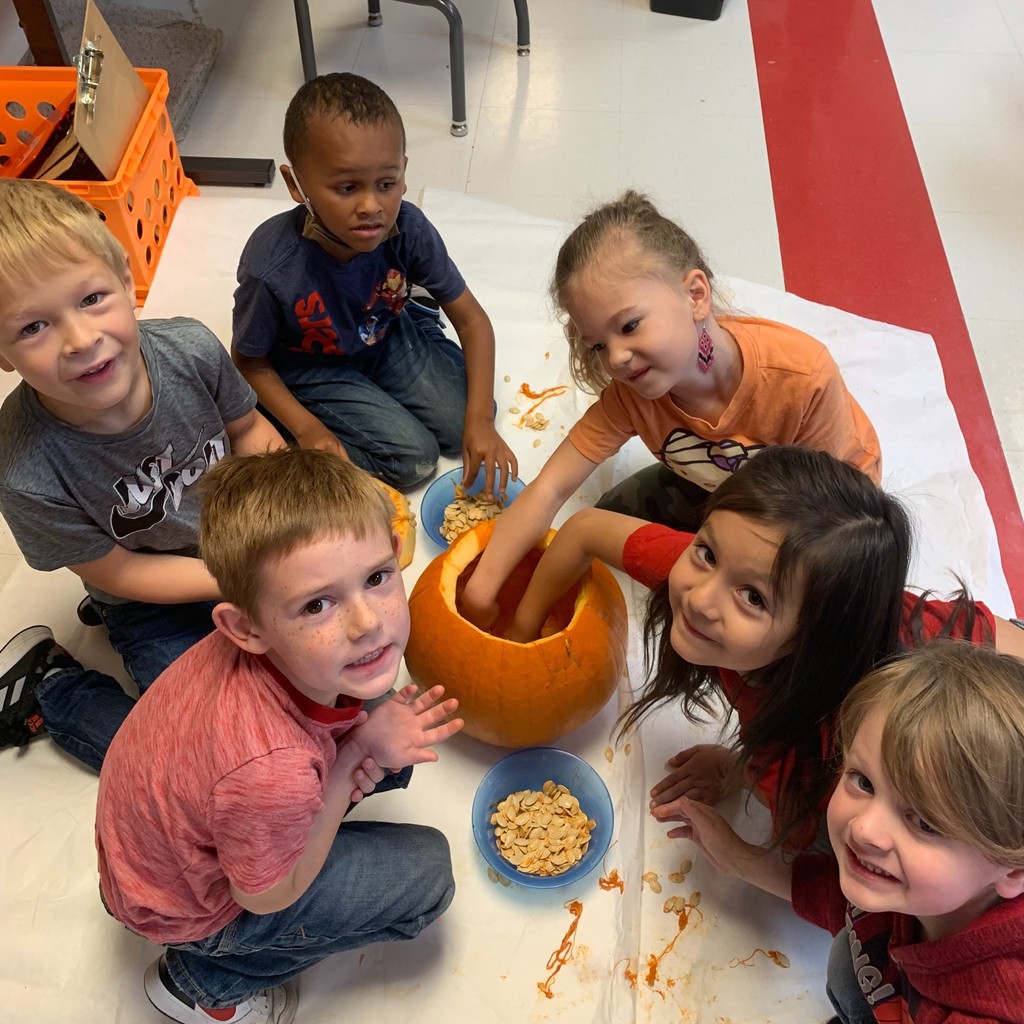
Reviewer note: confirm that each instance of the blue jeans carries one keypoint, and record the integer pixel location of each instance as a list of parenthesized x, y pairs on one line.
[(397, 406), (381, 882), (83, 708), (842, 988)]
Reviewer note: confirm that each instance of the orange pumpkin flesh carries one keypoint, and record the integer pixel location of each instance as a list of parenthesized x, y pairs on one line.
[(517, 695), (404, 523)]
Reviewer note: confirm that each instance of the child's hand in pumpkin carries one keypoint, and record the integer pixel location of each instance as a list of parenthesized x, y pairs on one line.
[(401, 731), (483, 614), (699, 773)]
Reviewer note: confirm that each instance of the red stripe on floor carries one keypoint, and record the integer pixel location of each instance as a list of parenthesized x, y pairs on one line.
[(856, 227)]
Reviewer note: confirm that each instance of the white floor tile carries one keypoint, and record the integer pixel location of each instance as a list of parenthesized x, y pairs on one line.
[(930, 27), (565, 21), (691, 156), (546, 152), (971, 168), (999, 346), (710, 82), (1013, 13), (585, 76), (959, 88), (986, 255), (413, 67)]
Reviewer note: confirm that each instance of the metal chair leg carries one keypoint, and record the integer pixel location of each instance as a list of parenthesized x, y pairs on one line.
[(374, 16), (457, 60), (522, 28), (306, 39)]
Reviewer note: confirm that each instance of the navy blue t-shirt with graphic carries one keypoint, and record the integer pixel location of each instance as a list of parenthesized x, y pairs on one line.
[(296, 304)]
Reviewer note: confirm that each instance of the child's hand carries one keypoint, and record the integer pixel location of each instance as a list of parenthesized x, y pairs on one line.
[(401, 731), (712, 835), (483, 615), (366, 776), (481, 443), (319, 437), (700, 774)]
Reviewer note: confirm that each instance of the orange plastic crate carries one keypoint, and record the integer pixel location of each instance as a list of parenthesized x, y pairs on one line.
[(139, 204)]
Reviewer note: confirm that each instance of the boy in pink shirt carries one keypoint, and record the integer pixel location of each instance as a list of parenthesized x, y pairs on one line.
[(219, 819)]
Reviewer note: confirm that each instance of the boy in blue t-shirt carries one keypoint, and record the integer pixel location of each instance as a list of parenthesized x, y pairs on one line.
[(324, 328), (101, 444)]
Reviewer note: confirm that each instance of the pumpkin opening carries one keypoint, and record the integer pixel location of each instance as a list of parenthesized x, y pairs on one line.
[(512, 593), (517, 695)]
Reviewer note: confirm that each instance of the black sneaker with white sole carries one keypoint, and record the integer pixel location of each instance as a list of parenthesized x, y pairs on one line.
[(25, 661)]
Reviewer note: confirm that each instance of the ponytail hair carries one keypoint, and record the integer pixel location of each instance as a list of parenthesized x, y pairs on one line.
[(630, 237)]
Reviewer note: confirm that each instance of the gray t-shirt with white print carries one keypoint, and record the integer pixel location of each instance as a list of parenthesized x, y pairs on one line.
[(68, 495)]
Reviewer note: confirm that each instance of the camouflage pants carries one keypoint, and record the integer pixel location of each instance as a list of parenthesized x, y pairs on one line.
[(659, 496)]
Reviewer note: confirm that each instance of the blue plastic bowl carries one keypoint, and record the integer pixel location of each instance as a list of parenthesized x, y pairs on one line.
[(441, 493), (530, 768)]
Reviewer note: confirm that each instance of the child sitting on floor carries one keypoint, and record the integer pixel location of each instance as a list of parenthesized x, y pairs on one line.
[(221, 797), (924, 893), (790, 592), (703, 390), (324, 328), (101, 444)]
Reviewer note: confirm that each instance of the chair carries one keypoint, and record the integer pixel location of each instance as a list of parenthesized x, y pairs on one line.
[(458, 63)]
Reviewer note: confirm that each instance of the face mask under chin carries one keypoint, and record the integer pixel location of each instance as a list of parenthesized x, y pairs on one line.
[(327, 240)]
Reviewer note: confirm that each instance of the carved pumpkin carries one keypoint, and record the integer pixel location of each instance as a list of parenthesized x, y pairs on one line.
[(403, 523), (517, 695)]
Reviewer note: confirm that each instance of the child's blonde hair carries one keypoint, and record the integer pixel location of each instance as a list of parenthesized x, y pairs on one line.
[(628, 237), (45, 228), (953, 741), (260, 507)]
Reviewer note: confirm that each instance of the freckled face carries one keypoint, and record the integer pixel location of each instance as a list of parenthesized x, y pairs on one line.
[(335, 617)]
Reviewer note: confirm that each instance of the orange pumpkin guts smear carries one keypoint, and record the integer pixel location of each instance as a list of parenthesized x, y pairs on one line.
[(561, 956), (612, 881), (777, 958), (539, 397), (683, 909)]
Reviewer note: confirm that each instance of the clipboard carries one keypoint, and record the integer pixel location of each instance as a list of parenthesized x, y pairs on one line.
[(110, 95)]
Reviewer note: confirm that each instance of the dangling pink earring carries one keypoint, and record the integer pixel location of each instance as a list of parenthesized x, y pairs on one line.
[(705, 350)]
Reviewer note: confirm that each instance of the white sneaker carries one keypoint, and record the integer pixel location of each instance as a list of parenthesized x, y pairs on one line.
[(271, 1006)]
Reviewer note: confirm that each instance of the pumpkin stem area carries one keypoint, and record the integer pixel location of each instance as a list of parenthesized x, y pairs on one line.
[(512, 593)]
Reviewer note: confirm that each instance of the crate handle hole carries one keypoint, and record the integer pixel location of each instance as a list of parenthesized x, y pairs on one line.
[(15, 109)]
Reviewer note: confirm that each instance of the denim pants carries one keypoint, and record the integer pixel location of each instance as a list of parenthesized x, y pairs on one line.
[(842, 987), (381, 882), (658, 495), (397, 406), (83, 708)]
